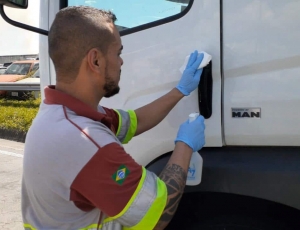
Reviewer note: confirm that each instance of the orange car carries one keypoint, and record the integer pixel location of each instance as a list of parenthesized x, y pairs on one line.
[(18, 70)]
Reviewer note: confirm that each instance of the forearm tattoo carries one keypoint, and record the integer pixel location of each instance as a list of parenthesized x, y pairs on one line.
[(175, 178)]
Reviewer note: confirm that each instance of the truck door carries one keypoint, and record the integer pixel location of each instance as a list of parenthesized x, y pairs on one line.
[(262, 72), (157, 35)]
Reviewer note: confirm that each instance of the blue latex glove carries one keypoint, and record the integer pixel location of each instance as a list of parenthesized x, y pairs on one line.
[(192, 133), (191, 75)]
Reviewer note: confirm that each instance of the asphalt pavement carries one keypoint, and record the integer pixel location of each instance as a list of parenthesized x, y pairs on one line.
[(11, 160)]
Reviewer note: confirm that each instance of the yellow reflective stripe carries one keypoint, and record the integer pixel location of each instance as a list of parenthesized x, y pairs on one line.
[(133, 126), (140, 185), (154, 213), (120, 122), (29, 226)]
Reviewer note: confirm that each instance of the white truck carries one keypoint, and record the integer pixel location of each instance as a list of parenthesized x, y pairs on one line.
[(249, 95)]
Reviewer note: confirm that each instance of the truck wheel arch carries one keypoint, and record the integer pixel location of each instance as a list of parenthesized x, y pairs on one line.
[(270, 174)]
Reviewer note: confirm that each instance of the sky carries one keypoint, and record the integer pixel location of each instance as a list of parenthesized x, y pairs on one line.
[(140, 12), (17, 41)]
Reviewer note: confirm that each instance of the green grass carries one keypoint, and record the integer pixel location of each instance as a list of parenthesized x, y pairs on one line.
[(18, 115)]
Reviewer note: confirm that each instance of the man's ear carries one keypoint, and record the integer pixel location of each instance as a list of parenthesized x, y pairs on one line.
[(96, 60)]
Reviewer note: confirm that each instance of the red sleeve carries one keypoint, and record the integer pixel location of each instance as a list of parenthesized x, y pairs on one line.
[(114, 116), (107, 181)]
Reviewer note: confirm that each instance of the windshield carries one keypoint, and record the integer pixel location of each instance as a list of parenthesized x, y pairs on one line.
[(18, 68), (133, 13)]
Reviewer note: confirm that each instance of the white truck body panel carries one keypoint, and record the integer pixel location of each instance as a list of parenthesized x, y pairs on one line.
[(152, 59), (262, 70)]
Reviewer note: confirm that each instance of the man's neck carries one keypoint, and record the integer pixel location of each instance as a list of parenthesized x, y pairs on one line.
[(83, 94)]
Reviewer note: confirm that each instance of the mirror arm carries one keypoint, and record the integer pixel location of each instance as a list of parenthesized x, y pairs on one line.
[(21, 25)]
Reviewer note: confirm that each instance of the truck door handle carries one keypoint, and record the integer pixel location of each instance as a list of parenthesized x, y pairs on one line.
[(205, 92)]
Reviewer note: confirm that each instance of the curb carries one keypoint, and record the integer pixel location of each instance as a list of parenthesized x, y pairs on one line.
[(13, 135)]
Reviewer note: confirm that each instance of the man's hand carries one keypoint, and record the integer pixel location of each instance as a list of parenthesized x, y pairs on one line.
[(150, 115), (192, 134), (191, 75), (190, 138)]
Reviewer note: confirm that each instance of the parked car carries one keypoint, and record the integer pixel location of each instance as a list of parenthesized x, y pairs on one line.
[(22, 68), (35, 78), (18, 70)]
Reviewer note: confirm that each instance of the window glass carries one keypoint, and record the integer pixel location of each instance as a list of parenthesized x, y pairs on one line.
[(133, 13), (18, 68), (36, 74), (35, 67)]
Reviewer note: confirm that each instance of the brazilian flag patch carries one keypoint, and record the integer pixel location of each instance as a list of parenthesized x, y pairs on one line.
[(120, 175)]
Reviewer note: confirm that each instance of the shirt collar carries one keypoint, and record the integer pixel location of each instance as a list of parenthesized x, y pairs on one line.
[(54, 96)]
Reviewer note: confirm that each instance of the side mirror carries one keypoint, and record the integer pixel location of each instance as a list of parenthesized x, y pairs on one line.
[(21, 4)]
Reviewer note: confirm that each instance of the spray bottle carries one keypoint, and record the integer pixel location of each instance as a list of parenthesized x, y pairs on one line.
[(196, 163)]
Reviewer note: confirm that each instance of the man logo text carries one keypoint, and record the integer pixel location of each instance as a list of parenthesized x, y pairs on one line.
[(246, 113)]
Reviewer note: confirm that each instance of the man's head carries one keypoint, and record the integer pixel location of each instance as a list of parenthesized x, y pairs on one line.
[(85, 41)]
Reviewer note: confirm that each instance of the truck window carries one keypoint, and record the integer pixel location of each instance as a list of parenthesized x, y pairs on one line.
[(140, 14)]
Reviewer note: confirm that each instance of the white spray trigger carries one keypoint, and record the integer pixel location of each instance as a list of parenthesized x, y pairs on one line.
[(193, 116)]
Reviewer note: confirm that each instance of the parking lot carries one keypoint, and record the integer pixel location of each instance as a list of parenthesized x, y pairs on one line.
[(11, 157)]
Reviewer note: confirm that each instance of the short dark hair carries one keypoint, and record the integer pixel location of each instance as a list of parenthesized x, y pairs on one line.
[(74, 31)]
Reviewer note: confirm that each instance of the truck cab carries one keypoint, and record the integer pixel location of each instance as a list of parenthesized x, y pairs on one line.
[(249, 95)]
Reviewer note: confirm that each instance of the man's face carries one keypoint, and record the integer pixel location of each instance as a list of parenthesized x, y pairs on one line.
[(113, 67)]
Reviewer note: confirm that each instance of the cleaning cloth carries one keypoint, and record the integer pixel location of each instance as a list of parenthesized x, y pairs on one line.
[(206, 59)]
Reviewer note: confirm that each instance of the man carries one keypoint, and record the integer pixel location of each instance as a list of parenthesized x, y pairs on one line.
[(76, 173)]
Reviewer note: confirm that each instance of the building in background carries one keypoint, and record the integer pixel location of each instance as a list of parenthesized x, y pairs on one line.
[(13, 58)]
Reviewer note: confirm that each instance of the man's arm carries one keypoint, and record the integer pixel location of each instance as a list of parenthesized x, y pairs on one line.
[(190, 138), (152, 114), (174, 175)]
